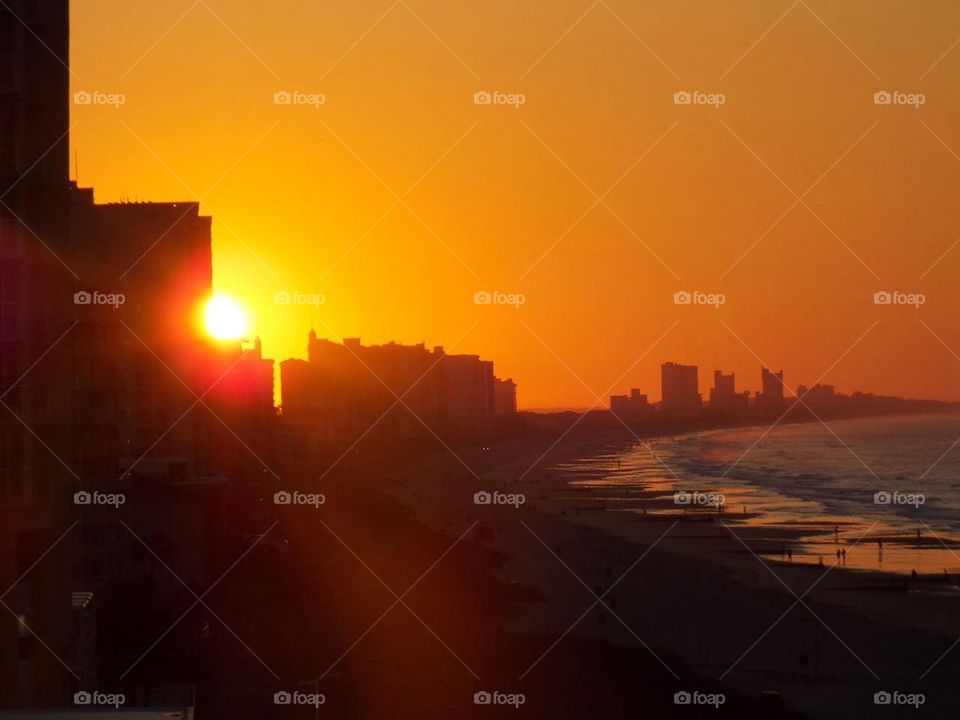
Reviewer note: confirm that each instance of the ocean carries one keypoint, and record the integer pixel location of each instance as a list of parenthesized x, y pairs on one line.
[(886, 490)]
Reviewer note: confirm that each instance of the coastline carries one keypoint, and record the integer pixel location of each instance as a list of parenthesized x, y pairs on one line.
[(560, 541)]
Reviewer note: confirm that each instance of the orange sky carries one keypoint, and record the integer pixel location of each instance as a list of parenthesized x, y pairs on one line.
[(503, 198)]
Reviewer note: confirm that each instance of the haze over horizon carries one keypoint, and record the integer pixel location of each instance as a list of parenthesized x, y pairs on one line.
[(399, 176)]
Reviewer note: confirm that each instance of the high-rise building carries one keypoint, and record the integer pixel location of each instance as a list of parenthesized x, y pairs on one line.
[(34, 313), (94, 395), (679, 389), (34, 45), (158, 255), (723, 395), (397, 390), (135, 357), (770, 398), (466, 393), (634, 406), (504, 397), (34, 114)]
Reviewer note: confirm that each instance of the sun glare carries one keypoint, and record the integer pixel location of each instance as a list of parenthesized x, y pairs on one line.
[(225, 318)]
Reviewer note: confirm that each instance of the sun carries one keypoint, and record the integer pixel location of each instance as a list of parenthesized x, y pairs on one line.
[(225, 318)]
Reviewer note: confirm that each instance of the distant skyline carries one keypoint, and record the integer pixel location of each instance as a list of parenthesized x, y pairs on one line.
[(504, 198)]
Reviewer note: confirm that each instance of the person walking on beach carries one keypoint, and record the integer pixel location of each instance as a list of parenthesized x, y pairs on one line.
[(838, 556), (844, 554)]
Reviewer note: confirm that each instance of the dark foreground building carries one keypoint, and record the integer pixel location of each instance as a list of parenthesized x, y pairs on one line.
[(107, 387), (33, 213)]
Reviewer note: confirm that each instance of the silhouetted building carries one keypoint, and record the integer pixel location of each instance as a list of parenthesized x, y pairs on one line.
[(723, 395), (138, 360), (34, 112), (34, 45), (630, 407), (142, 361), (466, 393), (679, 387), (157, 255), (382, 390), (619, 404), (106, 384), (33, 194), (504, 397), (388, 390), (770, 398), (822, 398)]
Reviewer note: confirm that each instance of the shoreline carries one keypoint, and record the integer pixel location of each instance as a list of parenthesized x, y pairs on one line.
[(556, 522), (810, 528)]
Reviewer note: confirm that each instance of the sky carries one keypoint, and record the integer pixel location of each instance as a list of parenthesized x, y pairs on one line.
[(783, 198)]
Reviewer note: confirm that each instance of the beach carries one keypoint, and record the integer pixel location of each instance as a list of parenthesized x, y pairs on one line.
[(713, 591)]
